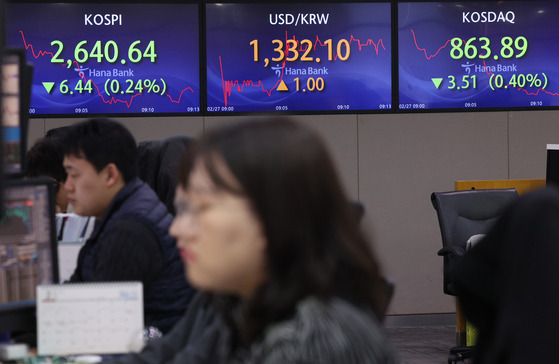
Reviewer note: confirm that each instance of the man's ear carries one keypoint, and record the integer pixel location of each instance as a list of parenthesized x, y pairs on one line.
[(113, 175)]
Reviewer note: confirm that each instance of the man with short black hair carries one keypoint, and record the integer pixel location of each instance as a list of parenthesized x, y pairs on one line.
[(130, 240), (44, 159)]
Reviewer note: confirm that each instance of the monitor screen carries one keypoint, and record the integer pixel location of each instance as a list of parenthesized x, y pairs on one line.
[(14, 123), (478, 55), (27, 240), (312, 57), (1, 131), (114, 59), (552, 165)]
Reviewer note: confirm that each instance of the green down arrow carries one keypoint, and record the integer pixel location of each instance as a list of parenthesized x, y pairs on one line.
[(48, 86), (437, 81)]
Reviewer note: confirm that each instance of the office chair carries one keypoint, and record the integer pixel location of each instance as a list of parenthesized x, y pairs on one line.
[(462, 215), (158, 164)]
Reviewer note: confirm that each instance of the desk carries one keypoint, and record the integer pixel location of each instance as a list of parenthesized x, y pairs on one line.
[(521, 185)]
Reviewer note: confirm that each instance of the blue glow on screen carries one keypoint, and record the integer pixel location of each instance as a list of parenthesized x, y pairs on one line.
[(109, 58)]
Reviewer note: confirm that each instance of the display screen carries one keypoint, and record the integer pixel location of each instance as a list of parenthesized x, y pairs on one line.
[(116, 59), (298, 57), (13, 122), (27, 240), (472, 55)]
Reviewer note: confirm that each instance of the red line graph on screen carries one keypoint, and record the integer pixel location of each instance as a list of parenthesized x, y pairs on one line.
[(521, 88), (112, 99), (228, 86), (239, 85), (428, 57), (424, 50), (352, 39)]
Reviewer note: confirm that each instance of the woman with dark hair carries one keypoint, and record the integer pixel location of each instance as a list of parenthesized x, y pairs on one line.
[(263, 223)]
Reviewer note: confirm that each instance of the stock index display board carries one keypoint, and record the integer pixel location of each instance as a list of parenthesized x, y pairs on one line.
[(298, 57), (471, 55), (109, 58), (144, 58)]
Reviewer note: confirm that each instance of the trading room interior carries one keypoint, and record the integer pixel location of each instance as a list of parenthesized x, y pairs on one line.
[(405, 107)]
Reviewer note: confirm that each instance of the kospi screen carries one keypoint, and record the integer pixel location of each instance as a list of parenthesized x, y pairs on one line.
[(14, 89), (298, 57), (109, 58), (471, 55)]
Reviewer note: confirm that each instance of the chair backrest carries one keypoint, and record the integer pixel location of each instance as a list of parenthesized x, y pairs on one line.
[(461, 215), (158, 164)]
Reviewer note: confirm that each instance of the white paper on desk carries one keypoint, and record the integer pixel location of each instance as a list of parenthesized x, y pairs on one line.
[(88, 318)]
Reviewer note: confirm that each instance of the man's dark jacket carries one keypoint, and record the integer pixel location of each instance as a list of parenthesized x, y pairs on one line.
[(132, 242)]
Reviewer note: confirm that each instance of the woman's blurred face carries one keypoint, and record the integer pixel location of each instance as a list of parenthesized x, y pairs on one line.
[(220, 238)]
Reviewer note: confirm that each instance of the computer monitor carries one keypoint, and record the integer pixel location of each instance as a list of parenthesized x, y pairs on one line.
[(552, 165), (298, 57), (1, 149), (122, 58), (28, 254), (472, 55), (2, 42), (15, 96)]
